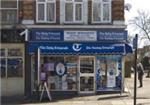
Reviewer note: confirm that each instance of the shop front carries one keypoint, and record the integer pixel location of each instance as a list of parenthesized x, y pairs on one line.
[(83, 65), (11, 63)]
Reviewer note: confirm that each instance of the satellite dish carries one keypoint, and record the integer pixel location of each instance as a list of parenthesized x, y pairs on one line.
[(128, 6)]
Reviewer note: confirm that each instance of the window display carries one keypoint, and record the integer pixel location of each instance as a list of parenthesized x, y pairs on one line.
[(111, 73), (101, 74), (72, 75), (61, 72), (108, 72)]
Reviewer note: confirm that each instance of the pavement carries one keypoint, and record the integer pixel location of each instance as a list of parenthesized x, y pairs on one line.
[(126, 98)]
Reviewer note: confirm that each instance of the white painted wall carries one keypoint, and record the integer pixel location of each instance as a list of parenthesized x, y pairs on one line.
[(12, 86)]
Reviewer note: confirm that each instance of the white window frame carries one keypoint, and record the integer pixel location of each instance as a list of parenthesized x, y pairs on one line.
[(17, 9), (45, 11), (6, 57), (102, 3), (74, 16)]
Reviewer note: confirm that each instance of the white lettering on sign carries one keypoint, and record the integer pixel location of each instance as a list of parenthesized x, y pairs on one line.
[(111, 36), (47, 36), (80, 36), (100, 48), (53, 48)]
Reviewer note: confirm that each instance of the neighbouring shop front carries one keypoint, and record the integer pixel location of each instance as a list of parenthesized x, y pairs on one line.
[(78, 61), (12, 63)]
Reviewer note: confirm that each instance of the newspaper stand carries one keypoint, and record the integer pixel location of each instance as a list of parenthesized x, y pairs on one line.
[(45, 88)]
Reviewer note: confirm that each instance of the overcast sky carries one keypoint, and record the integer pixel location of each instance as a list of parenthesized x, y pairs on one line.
[(136, 5)]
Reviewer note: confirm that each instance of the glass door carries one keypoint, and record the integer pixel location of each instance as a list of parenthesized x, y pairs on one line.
[(86, 75)]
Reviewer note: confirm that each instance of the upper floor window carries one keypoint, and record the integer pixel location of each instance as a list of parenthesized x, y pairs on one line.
[(73, 11), (9, 11), (46, 11), (101, 11)]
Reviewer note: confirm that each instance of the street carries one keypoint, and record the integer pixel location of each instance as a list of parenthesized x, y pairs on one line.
[(143, 97)]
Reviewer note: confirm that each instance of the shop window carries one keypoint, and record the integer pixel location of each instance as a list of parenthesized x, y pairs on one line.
[(57, 81), (108, 72), (71, 80), (3, 67), (15, 52), (73, 11), (46, 11), (15, 67), (101, 11)]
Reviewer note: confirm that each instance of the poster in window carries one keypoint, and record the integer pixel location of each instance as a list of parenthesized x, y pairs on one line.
[(112, 68), (102, 67), (43, 76), (64, 85), (60, 69), (111, 81), (111, 73), (49, 66)]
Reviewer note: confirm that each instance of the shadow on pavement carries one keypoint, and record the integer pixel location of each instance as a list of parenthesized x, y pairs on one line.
[(19, 100), (112, 97)]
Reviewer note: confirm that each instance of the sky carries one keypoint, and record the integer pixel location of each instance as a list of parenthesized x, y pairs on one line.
[(136, 5)]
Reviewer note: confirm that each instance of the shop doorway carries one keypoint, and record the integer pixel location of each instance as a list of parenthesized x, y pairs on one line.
[(86, 74)]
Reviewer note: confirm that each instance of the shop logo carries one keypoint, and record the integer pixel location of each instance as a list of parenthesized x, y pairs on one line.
[(76, 47), (60, 69)]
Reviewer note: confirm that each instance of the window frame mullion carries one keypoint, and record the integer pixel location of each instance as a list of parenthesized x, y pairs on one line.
[(45, 11), (74, 11), (6, 57)]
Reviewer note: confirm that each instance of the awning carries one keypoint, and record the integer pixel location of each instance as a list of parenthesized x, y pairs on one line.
[(128, 49), (79, 48)]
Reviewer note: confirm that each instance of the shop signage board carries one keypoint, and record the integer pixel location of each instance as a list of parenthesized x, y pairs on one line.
[(47, 35), (111, 35), (80, 36), (76, 48)]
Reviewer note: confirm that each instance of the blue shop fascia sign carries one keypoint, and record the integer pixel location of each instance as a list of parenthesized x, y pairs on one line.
[(46, 35), (104, 41), (81, 35), (76, 48)]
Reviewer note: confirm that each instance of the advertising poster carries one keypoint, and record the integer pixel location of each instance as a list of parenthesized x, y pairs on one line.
[(49, 67), (60, 69), (112, 68), (111, 81), (101, 73), (42, 76), (64, 85), (111, 73)]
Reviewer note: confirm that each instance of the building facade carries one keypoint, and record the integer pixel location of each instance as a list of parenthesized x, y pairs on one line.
[(11, 50), (80, 44)]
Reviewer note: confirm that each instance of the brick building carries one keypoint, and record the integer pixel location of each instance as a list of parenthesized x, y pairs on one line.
[(80, 43)]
